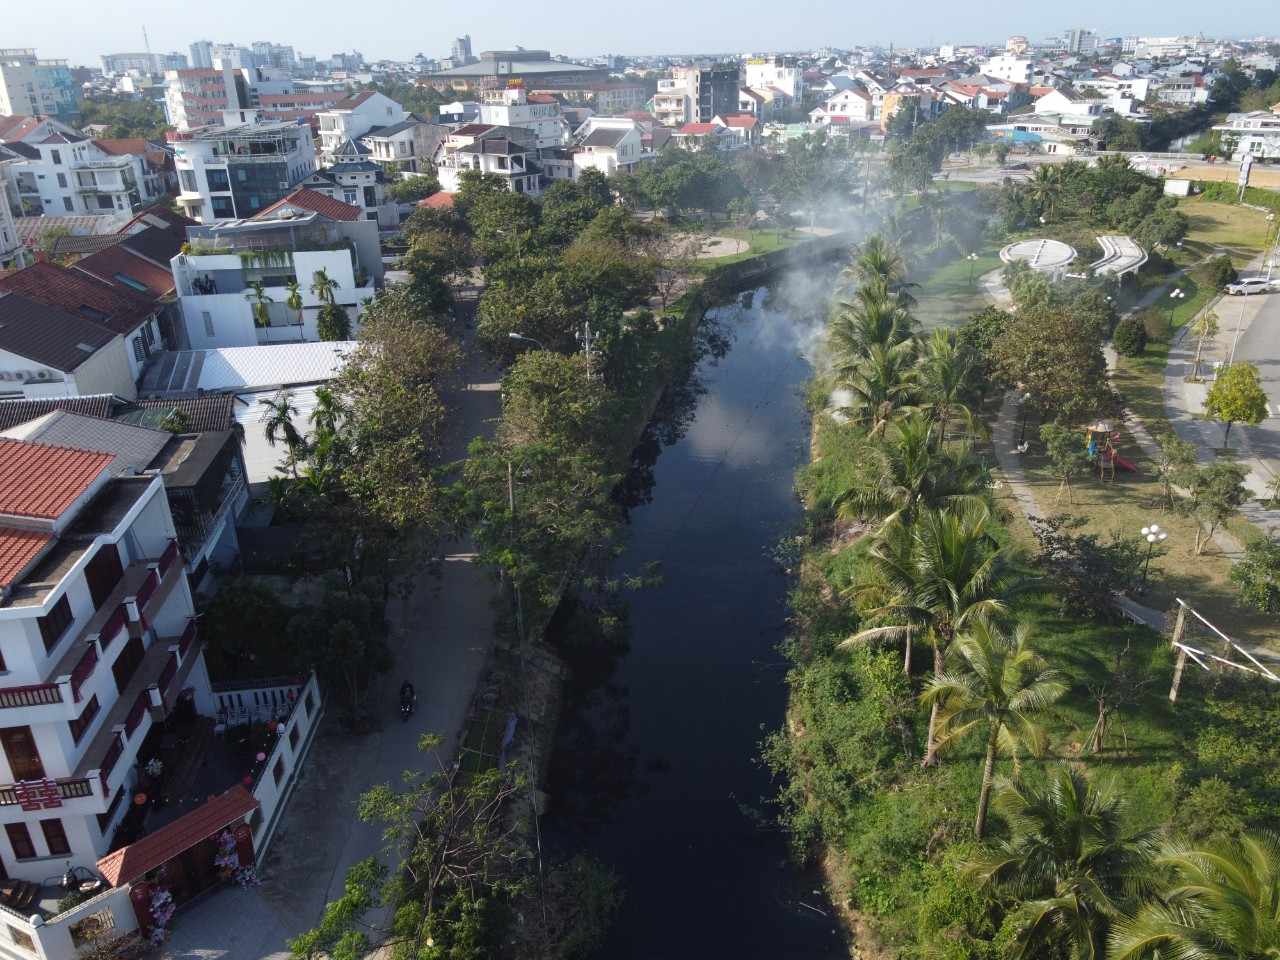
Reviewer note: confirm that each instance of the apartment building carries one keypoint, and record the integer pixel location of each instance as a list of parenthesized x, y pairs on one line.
[(67, 173), (200, 96), (244, 165), (98, 636), (1006, 67), (147, 64), (31, 86), (697, 94), (1256, 133), (293, 240), (512, 106), (352, 117), (609, 145), (780, 72), (406, 147), (12, 251), (507, 152)]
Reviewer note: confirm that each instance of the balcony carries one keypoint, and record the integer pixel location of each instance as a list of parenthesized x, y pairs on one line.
[(45, 794)]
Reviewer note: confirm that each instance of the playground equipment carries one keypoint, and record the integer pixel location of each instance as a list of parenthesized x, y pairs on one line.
[(1100, 444)]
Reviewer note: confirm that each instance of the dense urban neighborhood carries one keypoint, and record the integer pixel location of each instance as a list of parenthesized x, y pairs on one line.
[(500, 504)]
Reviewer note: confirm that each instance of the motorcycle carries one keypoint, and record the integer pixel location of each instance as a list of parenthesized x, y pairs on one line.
[(406, 706)]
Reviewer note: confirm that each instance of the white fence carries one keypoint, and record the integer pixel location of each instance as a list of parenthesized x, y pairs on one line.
[(280, 771), (256, 701), (52, 939)]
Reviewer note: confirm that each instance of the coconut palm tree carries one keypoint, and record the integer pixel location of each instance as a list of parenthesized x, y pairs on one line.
[(329, 409), (995, 683), (278, 425), (1068, 866), (259, 303), (873, 317), (881, 386), (322, 285), (294, 302), (1224, 903), (879, 259), (945, 370), (915, 474), (942, 573), (1045, 188)]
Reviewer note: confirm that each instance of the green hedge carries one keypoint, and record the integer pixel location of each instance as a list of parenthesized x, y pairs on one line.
[(1223, 192)]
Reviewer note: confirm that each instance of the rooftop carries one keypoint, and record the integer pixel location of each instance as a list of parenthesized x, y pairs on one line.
[(119, 266), (47, 335), (41, 481), (244, 369), (313, 201), (133, 448), (112, 307), (14, 412), (18, 550)]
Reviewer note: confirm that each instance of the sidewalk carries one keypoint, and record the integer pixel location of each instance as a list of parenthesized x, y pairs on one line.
[(441, 635)]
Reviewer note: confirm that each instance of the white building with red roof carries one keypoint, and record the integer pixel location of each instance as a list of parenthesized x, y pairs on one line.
[(744, 127), (355, 116)]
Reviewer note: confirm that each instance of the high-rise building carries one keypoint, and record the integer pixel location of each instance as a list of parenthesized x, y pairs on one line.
[(202, 55), (119, 64), (229, 55), (1081, 41), (460, 52), (29, 85), (697, 94), (273, 55)]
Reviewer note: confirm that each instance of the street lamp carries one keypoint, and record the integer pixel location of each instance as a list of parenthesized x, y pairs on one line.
[(520, 336), (972, 258), (1153, 535), (1022, 411)]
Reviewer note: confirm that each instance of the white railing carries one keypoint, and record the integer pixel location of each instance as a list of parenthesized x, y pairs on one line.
[(53, 939), (256, 701), (276, 779)]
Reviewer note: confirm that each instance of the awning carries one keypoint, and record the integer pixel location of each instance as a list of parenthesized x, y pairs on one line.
[(155, 849)]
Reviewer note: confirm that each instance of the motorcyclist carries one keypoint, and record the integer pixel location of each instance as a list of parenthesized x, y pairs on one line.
[(406, 693)]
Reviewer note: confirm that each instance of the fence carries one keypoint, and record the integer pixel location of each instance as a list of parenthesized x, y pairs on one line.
[(280, 771), (61, 937), (256, 701)]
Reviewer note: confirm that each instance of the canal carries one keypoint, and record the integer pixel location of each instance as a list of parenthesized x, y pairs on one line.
[(656, 770)]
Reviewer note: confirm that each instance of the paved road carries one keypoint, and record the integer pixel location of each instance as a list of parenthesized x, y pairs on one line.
[(442, 634), (1260, 345)]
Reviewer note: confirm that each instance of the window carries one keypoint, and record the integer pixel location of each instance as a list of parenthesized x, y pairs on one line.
[(62, 180), (81, 723), (207, 317), (21, 938), (218, 179), (294, 737), (188, 178), (20, 840), (57, 157), (105, 202), (309, 704), (277, 772), (54, 624), (349, 196), (67, 205), (55, 837)]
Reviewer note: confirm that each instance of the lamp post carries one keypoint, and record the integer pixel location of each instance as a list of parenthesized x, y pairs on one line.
[(972, 258), (1022, 411), (520, 336), (1153, 535)]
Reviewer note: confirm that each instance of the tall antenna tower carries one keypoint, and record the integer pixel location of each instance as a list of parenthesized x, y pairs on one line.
[(146, 43)]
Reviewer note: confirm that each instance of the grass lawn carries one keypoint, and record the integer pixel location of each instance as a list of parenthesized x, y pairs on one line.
[(1131, 501), (946, 297), (1240, 230)]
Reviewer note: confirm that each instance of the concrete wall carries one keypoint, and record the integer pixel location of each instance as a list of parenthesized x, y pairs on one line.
[(289, 753), (107, 371)]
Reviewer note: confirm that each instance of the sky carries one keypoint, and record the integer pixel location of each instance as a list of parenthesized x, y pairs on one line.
[(80, 30)]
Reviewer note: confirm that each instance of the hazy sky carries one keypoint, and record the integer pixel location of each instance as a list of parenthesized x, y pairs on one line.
[(81, 30)]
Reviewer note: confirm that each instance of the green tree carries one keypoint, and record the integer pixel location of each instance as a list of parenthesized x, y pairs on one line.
[(880, 386), (1056, 357), (1068, 867), (1223, 902), (344, 636), (1046, 189), (1257, 574), (278, 424), (415, 188), (997, 682), (555, 398), (1217, 491), (1204, 327), (1067, 456), (323, 286), (333, 323), (1175, 463), (1237, 397), (294, 302), (939, 575), (946, 374), (260, 303), (1130, 337)]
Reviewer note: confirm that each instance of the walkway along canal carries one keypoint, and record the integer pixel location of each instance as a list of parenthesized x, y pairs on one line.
[(655, 770)]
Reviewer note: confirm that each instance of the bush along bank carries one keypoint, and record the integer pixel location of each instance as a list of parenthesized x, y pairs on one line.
[(985, 762)]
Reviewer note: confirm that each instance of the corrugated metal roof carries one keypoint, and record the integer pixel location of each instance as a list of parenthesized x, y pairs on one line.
[(42, 481), (245, 369)]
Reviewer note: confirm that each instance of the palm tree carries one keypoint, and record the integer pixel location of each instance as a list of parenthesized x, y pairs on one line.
[(1045, 189), (879, 259), (1225, 902), (294, 303), (329, 409), (1068, 864), (915, 474), (942, 574), (322, 285), (945, 368), (1205, 327), (874, 317), (260, 302), (881, 386), (278, 424), (999, 682)]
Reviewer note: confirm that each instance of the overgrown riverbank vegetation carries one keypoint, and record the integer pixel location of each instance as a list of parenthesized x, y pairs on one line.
[(979, 748)]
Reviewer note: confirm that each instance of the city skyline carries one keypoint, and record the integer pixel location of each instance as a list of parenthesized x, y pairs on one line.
[(637, 32)]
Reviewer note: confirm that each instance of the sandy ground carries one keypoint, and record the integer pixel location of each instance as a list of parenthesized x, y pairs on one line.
[(709, 247)]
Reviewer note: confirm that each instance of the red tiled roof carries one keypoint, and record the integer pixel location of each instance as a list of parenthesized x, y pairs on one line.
[(697, 129), (122, 146), (119, 310), (156, 849), (438, 201), (112, 263), (740, 120), (1040, 91), (18, 126), (540, 98), (37, 480), (17, 549), (317, 202), (472, 129), (354, 101)]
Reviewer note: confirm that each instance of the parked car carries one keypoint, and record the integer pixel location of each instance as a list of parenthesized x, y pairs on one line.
[(1247, 285)]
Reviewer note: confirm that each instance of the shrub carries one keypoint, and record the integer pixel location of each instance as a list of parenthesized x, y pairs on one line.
[(1221, 271), (1257, 575), (1130, 338), (1214, 808), (1155, 323), (1083, 568)]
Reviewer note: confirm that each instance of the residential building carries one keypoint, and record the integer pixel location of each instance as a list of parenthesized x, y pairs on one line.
[(146, 64), (672, 103), (1016, 46), (907, 97), (1007, 67), (199, 97), (1083, 42), (48, 352), (1057, 102), (608, 144), (744, 127), (1183, 91), (848, 106), (12, 251), (613, 99), (698, 137), (202, 55), (511, 106), (30, 86), (243, 166), (67, 173), (278, 55), (294, 239), (459, 112), (353, 117), (780, 72), (410, 144), (130, 315), (507, 152), (98, 632), (697, 94), (767, 103), (357, 180), (534, 67), (1256, 133)]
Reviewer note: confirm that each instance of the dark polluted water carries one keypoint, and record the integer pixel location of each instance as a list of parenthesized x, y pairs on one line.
[(656, 771)]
